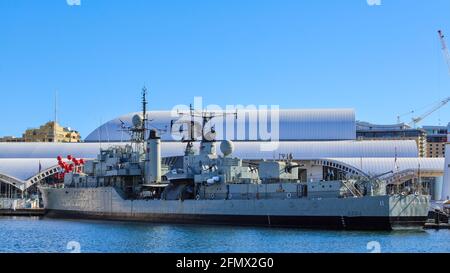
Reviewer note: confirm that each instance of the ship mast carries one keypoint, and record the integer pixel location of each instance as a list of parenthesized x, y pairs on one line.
[(144, 113), (205, 117), (138, 129)]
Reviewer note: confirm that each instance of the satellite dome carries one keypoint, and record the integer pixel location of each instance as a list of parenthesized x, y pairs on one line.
[(226, 147), (137, 121)]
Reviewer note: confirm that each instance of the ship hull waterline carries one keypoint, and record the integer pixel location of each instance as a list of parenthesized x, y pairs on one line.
[(377, 213)]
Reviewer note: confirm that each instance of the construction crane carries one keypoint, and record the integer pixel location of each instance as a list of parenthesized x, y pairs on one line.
[(416, 120), (399, 117), (444, 49), (438, 106)]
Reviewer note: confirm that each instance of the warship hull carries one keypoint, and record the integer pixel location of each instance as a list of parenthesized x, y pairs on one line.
[(364, 213)]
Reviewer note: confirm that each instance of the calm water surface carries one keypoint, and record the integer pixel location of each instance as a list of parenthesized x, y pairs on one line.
[(47, 235)]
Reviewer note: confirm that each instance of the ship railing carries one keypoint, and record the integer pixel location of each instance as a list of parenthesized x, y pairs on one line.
[(352, 189)]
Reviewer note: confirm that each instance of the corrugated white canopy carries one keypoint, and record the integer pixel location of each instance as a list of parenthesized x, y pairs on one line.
[(24, 168), (49, 150), (376, 166), (327, 149), (318, 124), (245, 150), (21, 160)]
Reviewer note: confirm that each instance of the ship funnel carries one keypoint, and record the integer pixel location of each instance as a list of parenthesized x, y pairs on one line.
[(153, 159), (446, 186)]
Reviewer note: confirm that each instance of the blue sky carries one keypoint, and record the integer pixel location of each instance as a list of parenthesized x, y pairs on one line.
[(380, 60)]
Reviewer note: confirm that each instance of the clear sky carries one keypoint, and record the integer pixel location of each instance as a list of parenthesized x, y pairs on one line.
[(380, 60)]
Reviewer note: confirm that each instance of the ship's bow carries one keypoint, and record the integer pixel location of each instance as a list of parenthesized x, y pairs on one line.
[(45, 194)]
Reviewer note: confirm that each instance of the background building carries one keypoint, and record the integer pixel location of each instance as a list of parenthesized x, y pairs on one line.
[(436, 140), (11, 139), (51, 132), (368, 131), (448, 132), (430, 140)]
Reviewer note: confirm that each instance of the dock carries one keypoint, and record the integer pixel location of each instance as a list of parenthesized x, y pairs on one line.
[(437, 220), (23, 212), (437, 226)]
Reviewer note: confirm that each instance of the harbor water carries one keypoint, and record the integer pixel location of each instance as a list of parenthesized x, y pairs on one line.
[(31, 235)]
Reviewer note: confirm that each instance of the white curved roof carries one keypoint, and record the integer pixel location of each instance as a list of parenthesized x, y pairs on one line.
[(316, 150), (245, 150), (24, 168), (365, 126), (327, 124), (376, 166), (50, 150), (21, 160)]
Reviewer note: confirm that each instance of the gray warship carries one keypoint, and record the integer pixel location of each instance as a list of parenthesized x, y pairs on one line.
[(133, 183)]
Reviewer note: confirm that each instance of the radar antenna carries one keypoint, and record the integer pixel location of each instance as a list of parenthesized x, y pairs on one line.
[(138, 129), (206, 117)]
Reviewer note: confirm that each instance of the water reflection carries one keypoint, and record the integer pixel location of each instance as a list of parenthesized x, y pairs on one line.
[(49, 235)]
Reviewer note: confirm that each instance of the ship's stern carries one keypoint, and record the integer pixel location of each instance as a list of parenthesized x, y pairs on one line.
[(408, 211)]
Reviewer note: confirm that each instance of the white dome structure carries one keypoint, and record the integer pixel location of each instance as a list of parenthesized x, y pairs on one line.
[(20, 162), (301, 150), (293, 125)]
